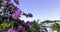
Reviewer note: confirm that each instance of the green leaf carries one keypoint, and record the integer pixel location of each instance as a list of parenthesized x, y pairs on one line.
[(24, 14), (5, 25), (12, 9)]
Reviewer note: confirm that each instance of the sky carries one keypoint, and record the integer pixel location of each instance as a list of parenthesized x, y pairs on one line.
[(41, 9)]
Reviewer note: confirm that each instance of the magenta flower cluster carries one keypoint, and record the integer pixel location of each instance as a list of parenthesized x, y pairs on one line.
[(16, 13), (11, 12), (19, 28)]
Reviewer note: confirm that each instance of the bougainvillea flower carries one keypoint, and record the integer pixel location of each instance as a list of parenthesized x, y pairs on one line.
[(20, 27), (8, 0), (4, 30), (23, 23), (19, 20), (28, 23), (11, 11), (16, 14), (16, 1), (30, 15), (11, 4), (15, 8), (11, 30)]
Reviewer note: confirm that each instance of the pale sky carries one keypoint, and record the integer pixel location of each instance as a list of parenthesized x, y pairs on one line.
[(41, 9)]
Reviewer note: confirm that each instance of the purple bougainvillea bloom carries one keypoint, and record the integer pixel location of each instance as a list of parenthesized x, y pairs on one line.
[(19, 20), (4, 30), (28, 23), (11, 4), (16, 14), (8, 0), (20, 27), (10, 30), (15, 8), (30, 15), (17, 2), (23, 23), (11, 11)]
